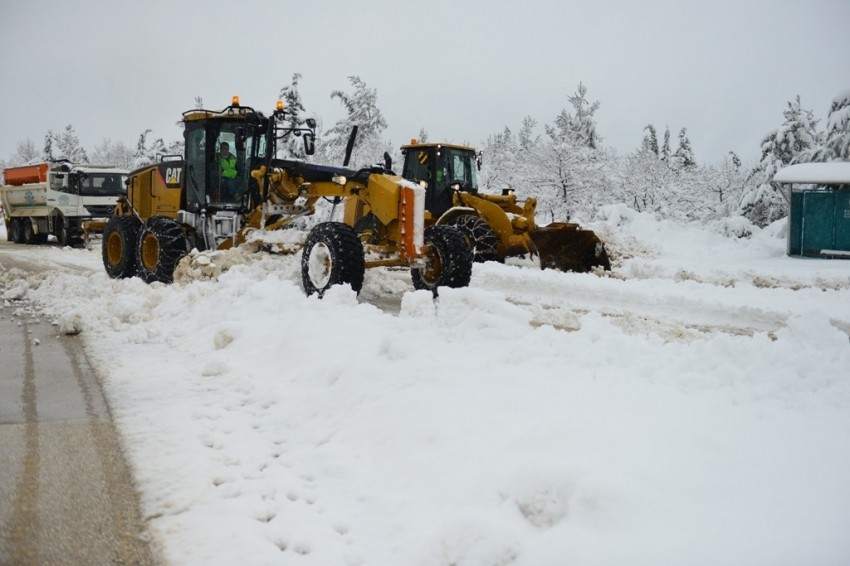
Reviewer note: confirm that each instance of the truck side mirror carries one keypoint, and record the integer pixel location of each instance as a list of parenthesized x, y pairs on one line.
[(309, 144), (311, 123)]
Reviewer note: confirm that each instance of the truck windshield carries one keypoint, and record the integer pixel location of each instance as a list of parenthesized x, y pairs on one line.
[(103, 184)]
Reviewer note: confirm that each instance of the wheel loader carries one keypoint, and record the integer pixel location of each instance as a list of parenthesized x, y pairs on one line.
[(498, 226), (187, 201)]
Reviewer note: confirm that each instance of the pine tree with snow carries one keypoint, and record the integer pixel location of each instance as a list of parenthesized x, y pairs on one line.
[(362, 110), (148, 152), (665, 149), (684, 156), (47, 151), (295, 117), (649, 143), (68, 146), (836, 139)]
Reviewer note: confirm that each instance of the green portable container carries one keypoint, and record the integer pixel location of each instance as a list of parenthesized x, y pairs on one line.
[(819, 217)]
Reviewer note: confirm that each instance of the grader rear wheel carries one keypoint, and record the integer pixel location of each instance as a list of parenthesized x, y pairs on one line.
[(161, 245), (449, 260)]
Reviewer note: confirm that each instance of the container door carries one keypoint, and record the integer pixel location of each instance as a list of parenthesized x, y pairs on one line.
[(842, 220), (818, 222)]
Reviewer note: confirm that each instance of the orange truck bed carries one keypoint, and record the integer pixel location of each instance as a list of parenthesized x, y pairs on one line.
[(25, 174)]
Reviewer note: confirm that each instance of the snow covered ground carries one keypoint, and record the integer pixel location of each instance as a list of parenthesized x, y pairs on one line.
[(692, 407)]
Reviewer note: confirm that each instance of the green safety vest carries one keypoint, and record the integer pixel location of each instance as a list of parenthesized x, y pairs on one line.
[(228, 166)]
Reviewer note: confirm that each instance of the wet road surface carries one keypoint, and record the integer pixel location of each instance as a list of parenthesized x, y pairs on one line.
[(66, 492)]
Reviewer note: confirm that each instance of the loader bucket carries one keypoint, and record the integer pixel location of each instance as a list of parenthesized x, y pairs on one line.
[(567, 247)]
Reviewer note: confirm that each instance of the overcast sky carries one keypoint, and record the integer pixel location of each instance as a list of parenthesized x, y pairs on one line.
[(461, 69)]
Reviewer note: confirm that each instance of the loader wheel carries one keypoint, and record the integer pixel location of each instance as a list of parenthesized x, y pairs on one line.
[(481, 237), (161, 245), (333, 255), (449, 260), (119, 246)]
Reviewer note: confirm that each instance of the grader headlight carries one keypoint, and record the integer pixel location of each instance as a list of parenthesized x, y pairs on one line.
[(340, 180)]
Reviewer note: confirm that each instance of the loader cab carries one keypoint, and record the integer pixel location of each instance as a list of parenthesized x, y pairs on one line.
[(440, 167)]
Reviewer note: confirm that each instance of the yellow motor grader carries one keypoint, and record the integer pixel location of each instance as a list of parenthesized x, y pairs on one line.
[(498, 226), (190, 201)]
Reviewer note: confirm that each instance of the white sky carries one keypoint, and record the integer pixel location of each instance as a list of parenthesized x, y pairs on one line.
[(462, 70)]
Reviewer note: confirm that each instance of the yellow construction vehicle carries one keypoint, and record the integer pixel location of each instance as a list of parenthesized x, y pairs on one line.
[(195, 201), (498, 226)]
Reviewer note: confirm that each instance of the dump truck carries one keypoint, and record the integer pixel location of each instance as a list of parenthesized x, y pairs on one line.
[(498, 226), (192, 201), (58, 197)]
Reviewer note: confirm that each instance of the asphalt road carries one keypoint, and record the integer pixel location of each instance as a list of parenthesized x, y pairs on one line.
[(66, 493)]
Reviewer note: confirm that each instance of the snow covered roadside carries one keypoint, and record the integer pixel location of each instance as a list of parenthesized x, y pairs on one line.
[(268, 428)]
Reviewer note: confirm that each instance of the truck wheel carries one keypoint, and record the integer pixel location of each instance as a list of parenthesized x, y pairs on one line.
[(333, 255), (449, 260), (161, 245), (15, 233), (481, 237), (27, 233), (119, 246)]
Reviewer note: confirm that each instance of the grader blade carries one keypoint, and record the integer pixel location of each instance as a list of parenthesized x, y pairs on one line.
[(565, 246)]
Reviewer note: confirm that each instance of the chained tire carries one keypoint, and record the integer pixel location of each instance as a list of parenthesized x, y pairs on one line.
[(481, 237), (27, 232), (332, 255), (449, 260), (160, 247), (118, 247)]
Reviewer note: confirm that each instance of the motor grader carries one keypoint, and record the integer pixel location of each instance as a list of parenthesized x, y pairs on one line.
[(498, 226), (185, 202)]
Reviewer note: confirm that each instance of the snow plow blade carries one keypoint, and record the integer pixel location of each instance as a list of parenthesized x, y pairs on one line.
[(567, 247)]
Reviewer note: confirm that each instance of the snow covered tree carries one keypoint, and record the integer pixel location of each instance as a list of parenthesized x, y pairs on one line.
[(665, 149), (836, 139), (47, 152), (649, 143), (199, 103), (684, 156), (68, 146), (114, 153), (423, 136), (362, 110), (793, 142), (295, 118), (580, 126), (25, 152), (148, 151)]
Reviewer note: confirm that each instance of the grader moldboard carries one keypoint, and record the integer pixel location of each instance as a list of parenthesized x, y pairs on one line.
[(182, 203), (497, 225)]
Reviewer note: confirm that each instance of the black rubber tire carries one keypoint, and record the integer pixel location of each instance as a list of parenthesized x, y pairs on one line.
[(481, 237), (449, 262), (333, 255), (160, 247), (15, 231), (118, 247), (63, 235), (27, 233)]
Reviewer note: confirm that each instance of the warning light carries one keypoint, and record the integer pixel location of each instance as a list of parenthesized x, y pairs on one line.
[(235, 101), (413, 141), (279, 106)]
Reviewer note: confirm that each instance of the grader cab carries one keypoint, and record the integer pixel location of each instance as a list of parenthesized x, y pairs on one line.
[(497, 226), (230, 183)]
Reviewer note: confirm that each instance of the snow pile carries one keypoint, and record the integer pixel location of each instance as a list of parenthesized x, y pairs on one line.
[(673, 412)]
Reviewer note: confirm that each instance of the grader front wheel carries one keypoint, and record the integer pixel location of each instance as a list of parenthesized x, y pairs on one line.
[(333, 255)]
